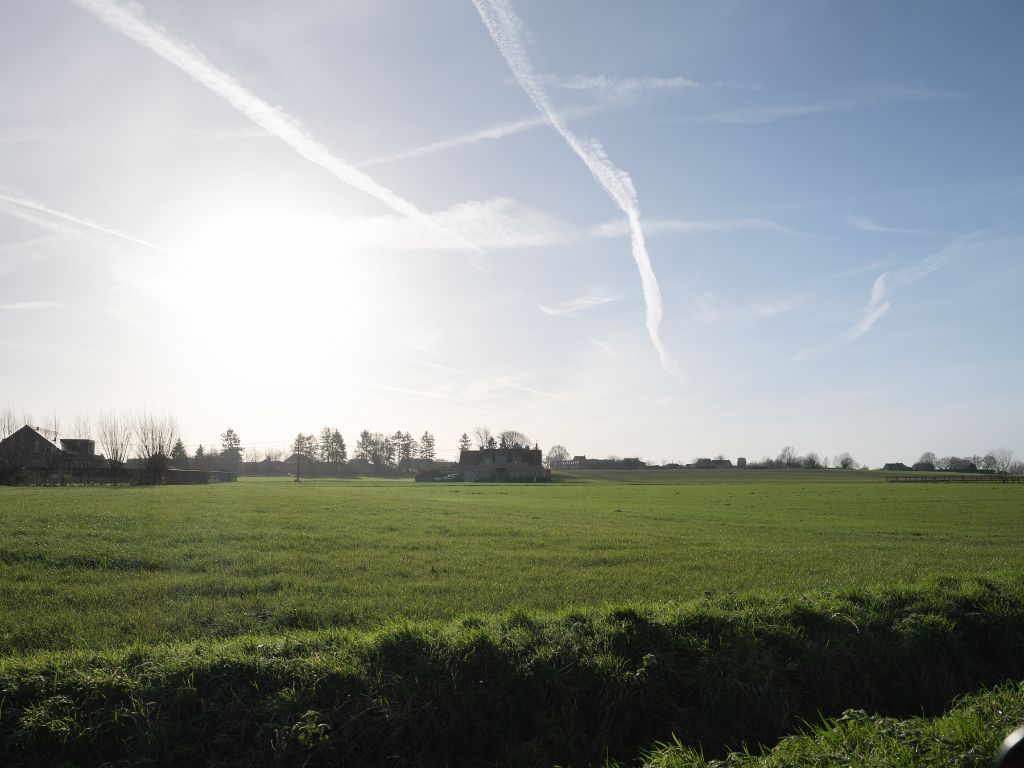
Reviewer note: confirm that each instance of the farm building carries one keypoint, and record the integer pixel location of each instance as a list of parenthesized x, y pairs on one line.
[(502, 464), (710, 464), (895, 466), (582, 462), (31, 449)]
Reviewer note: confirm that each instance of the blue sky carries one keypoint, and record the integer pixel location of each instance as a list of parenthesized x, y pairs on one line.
[(380, 215)]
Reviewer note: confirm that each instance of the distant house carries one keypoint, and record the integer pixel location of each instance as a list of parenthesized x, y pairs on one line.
[(710, 464), (30, 448), (582, 462), (897, 466), (741, 463), (503, 464)]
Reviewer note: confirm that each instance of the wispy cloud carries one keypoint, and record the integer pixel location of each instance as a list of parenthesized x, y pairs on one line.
[(621, 228), (864, 224), (81, 221), (506, 29), (861, 97), (710, 309), (884, 284), (604, 346), (577, 305), (28, 305), (30, 242), (502, 381), (129, 21), (623, 86), (491, 133), (494, 224)]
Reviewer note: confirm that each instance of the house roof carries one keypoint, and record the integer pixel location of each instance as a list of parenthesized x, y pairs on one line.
[(32, 433)]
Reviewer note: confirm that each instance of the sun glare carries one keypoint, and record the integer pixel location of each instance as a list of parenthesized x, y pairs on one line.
[(261, 276)]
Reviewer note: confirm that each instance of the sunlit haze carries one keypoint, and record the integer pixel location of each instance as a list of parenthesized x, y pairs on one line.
[(659, 229)]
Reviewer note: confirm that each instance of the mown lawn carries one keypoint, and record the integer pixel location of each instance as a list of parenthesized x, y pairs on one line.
[(86, 568)]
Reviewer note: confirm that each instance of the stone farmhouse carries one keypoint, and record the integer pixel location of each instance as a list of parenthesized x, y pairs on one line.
[(503, 464)]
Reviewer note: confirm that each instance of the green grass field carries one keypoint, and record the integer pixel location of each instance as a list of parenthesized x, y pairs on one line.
[(98, 567), (383, 621)]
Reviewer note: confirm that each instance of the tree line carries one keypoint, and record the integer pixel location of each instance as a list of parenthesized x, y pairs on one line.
[(155, 441)]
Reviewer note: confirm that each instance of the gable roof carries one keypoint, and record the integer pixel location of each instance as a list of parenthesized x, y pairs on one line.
[(33, 434)]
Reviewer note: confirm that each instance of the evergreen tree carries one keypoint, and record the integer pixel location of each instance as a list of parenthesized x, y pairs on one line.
[(427, 447), (338, 443), (325, 445), (231, 450), (179, 456), (465, 443)]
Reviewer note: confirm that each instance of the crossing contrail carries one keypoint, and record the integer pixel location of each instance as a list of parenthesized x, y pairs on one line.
[(129, 21), (34, 205), (506, 29)]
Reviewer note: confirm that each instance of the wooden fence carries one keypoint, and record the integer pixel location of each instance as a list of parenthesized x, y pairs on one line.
[(940, 477)]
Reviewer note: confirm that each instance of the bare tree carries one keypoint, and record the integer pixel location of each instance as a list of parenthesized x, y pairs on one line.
[(484, 437), (556, 454), (154, 437), (927, 463), (510, 438), (787, 458), (999, 459), (52, 430), (844, 461), (82, 427), (115, 435), (811, 461), (8, 423)]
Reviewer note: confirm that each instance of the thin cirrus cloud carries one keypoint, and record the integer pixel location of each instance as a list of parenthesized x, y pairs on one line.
[(865, 224), (878, 303), (490, 379), (576, 306), (709, 309), (496, 223), (757, 114), (507, 30), (130, 22)]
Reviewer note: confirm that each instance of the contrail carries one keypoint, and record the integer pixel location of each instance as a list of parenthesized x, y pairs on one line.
[(490, 133), (506, 29), (878, 304), (33, 205), (131, 23)]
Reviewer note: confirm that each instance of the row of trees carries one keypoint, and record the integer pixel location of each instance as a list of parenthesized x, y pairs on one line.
[(788, 458), (1001, 460)]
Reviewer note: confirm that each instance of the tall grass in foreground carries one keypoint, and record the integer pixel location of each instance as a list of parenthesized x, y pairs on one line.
[(519, 689), (967, 737)]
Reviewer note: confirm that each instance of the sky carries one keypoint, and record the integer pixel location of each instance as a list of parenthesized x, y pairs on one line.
[(659, 229)]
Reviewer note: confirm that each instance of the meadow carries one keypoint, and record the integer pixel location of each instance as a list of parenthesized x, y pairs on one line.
[(89, 568), (580, 622)]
